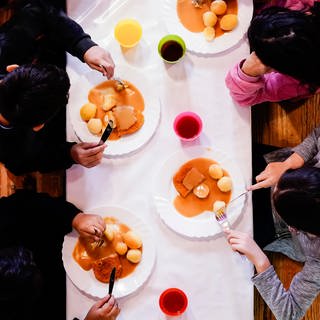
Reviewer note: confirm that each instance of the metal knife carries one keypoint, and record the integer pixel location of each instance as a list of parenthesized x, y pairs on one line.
[(106, 132), (111, 280)]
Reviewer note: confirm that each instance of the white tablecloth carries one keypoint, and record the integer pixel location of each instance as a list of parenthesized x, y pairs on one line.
[(217, 284)]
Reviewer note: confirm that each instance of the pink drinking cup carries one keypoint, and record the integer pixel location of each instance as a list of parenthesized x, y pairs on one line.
[(187, 126)]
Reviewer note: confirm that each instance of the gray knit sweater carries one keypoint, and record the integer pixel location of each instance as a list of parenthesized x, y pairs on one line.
[(293, 303)]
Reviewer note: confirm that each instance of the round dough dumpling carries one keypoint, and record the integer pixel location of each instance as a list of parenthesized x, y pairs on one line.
[(219, 206), (201, 191), (209, 19), (228, 22), (132, 240), (95, 125), (134, 255), (218, 7), (109, 232), (121, 248), (88, 111), (225, 184), (215, 171), (209, 33)]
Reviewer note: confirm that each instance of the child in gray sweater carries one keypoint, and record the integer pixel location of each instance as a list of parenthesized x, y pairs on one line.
[(296, 199)]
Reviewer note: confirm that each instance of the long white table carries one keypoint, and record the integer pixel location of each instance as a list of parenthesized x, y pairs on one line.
[(217, 285)]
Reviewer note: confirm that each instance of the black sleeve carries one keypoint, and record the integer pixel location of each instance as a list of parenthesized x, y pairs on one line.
[(57, 157), (66, 31), (28, 217)]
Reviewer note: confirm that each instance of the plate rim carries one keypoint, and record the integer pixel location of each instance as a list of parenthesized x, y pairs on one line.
[(89, 290), (191, 38), (182, 225), (135, 141)]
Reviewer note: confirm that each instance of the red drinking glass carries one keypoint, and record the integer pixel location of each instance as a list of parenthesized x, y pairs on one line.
[(187, 126), (173, 302)]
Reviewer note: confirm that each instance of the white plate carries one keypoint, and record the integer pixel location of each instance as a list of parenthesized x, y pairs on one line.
[(126, 144), (86, 281), (196, 42), (164, 193)]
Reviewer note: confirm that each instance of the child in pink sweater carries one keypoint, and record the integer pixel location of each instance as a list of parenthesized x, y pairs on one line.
[(284, 63)]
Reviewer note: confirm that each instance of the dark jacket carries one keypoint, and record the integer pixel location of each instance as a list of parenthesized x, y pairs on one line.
[(39, 32), (39, 223), (23, 150)]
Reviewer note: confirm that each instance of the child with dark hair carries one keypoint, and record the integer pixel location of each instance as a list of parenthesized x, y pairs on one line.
[(297, 201), (32, 277), (33, 31), (32, 97), (284, 63)]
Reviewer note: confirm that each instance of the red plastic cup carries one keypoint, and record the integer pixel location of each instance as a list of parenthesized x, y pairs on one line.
[(173, 302), (187, 126)]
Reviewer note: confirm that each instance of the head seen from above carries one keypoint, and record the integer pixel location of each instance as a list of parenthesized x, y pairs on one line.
[(288, 42), (297, 199), (33, 94)]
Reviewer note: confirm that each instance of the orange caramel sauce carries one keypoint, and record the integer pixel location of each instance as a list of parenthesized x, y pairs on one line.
[(191, 17), (127, 97), (85, 254), (191, 205)]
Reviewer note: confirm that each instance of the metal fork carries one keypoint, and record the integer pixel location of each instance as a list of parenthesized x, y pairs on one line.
[(221, 217), (100, 242), (121, 85)]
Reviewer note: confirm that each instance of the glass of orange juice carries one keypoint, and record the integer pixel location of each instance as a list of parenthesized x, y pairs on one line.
[(128, 32)]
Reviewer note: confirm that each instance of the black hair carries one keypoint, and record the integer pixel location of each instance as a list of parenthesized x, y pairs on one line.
[(12, 4), (33, 94), (297, 199), (21, 283), (288, 41)]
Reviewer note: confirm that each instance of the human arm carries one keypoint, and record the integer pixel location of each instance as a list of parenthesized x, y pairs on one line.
[(64, 155), (68, 35), (303, 153), (253, 88), (99, 59), (89, 225), (243, 243), (291, 304), (309, 147), (104, 309), (274, 170), (87, 154), (31, 215)]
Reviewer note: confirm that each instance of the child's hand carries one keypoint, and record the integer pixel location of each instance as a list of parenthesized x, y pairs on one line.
[(89, 225), (270, 175), (244, 244), (99, 59), (253, 66), (104, 309), (87, 154)]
